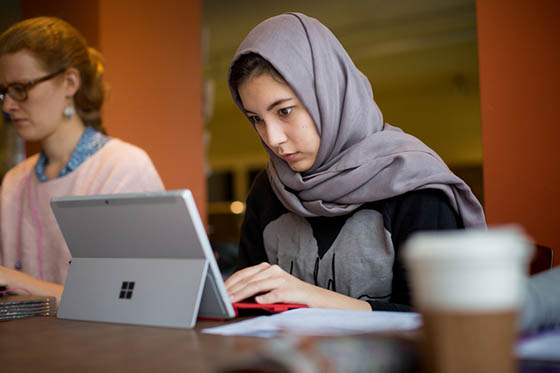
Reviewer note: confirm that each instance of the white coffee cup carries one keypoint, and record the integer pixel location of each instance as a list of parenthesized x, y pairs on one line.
[(469, 287)]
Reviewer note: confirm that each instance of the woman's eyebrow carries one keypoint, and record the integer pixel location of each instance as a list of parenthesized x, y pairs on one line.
[(271, 106), (277, 102)]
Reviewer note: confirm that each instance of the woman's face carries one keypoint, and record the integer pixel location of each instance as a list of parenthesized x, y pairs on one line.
[(41, 114), (281, 120)]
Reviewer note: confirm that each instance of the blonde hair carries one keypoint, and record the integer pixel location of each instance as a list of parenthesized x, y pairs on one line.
[(58, 45)]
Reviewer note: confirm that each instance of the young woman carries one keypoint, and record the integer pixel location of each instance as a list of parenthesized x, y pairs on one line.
[(342, 189), (51, 88)]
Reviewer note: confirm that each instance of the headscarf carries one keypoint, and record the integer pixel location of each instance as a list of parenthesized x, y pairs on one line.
[(360, 159)]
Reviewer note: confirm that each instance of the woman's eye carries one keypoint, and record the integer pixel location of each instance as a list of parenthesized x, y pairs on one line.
[(18, 89), (255, 119), (285, 111)]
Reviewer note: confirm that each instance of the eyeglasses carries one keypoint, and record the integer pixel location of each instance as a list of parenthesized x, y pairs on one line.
[(19, 91)]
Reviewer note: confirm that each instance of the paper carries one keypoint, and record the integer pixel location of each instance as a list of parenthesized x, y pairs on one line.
[(544, 346), (321, 322), (326, 322)]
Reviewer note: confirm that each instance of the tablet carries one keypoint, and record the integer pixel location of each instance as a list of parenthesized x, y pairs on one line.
[(140, 259)]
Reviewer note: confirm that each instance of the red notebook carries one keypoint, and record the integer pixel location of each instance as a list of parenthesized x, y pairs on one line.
[(251, 308), (255, 309)]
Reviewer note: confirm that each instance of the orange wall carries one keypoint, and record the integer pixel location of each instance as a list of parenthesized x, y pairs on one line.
[(152, 54), (519, 62), (153, 64)]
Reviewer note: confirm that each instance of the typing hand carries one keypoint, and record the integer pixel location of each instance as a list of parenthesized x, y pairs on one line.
[(271, 284), (22, 283)]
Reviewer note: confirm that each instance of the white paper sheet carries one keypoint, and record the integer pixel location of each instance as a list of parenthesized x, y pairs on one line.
[(325, 322), (321, 322)]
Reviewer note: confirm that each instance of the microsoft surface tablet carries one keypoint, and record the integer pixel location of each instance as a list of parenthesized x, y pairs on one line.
[(140, 259)]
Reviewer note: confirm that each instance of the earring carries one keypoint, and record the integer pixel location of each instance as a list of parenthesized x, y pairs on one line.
[(69, 111)]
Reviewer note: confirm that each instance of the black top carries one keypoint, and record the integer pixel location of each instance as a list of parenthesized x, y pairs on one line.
[(355, 254)]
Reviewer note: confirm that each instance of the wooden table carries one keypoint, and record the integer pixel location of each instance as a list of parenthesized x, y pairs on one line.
[(48, 344)]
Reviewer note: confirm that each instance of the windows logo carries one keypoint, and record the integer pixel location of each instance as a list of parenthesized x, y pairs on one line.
[(126, 290)]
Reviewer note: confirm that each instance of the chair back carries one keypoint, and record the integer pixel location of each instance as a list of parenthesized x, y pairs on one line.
[(542, 259)]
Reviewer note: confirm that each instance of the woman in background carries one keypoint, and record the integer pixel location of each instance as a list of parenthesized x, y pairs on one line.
[(51, 88), (342, 189)]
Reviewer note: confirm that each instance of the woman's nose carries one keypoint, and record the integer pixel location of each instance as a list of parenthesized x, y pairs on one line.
[(8, 103), (275, 134)]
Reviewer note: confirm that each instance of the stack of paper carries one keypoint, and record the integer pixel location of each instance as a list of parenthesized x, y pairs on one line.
[(20, 306), (321, 322)]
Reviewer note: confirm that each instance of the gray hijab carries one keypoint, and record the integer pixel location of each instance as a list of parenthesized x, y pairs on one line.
[(361, 159)]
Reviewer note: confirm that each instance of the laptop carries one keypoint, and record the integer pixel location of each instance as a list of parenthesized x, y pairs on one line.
[(139, 259)]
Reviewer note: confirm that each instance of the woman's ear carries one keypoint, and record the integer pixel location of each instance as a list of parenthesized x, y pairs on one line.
[(71, 81)]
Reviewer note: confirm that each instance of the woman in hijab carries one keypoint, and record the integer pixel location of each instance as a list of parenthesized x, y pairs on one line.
[(342, 189)]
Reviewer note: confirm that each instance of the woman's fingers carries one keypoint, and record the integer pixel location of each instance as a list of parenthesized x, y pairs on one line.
[(273, 285), (244, 274), (254, 280), (256, 287), (251, 278)]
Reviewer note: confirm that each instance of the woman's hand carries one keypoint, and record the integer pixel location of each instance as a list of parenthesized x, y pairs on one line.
[(14, 279), (9, 277), (274, 285)]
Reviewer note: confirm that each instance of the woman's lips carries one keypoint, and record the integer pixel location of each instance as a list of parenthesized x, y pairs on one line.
[(289, 156), (17, 121)]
